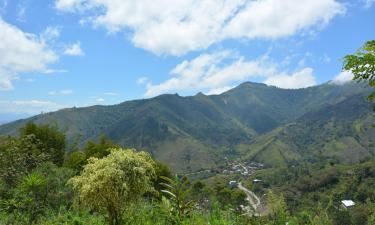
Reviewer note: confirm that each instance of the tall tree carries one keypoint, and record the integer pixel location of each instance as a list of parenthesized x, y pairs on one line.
[(110, 183), (362, 65), (49, 139)]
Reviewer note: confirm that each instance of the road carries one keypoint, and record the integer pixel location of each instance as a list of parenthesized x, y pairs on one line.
[(251, 197)]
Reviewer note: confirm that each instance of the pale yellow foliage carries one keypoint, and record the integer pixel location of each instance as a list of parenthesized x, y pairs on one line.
[(108, 184)]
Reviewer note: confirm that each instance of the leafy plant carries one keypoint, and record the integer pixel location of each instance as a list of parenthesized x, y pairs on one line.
[(179, 203)]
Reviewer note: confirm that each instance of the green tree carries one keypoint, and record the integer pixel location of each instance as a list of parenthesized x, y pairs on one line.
[(362, 64), (108, 184), (75, 160), (49, 139), (278, 211), (19, 157), (99, 149)]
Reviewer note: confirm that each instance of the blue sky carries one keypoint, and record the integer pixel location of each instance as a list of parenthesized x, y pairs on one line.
[(65, 53)]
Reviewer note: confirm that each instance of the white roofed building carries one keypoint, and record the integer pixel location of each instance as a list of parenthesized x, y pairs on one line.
[(347, 203)]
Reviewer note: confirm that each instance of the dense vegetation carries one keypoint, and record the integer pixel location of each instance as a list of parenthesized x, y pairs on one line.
[(319, 189), (105, 184)]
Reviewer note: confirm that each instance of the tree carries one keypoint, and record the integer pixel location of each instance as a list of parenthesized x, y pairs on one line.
[(278, 212), (49, 139), (100, 149), (362, 65), (107, 184), (18, 157), (75, 160)]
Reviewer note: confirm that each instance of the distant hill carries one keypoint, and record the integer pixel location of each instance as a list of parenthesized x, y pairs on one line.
[(253, 121)]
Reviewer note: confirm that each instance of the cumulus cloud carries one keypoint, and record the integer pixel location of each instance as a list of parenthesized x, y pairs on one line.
[(217, 91), (74, 50), (188, 25), (343, 77), (300, 79), (21, 52), (28, 106), (217, 72)]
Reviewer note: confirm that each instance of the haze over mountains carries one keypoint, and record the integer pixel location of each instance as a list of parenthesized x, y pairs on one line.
[(252, 122)]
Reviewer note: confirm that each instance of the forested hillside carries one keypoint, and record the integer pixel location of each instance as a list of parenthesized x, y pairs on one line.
[(197, 132)]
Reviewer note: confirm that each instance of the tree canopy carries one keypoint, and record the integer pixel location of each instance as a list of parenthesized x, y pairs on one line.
[(109, 183), (49, 139), (362, 64)]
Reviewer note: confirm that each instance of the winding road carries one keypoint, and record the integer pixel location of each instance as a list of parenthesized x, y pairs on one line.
[(251, 197)]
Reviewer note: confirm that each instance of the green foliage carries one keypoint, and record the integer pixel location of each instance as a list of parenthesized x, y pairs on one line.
[(178, 197), (278, 210), (108, 184), (161, 170), (99, 149), (19, 157), (48, 139), (362, 64), (76, 160), (66, 217)]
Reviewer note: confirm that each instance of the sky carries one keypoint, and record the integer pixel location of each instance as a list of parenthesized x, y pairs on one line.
[(62, 53)]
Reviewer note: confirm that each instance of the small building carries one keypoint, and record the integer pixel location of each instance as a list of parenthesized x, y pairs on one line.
[(256, 181), (233, 184), (347, 203)]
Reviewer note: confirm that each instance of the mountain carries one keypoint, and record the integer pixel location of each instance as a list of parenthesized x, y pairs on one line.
[(253, 121)]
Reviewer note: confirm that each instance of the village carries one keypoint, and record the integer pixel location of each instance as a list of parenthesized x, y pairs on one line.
[(243, 168)]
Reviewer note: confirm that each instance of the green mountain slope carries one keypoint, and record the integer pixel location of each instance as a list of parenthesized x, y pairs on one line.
[(341, 131), (191, 133)]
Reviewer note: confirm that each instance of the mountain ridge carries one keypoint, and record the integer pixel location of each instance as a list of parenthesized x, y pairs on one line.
[(194, 132)]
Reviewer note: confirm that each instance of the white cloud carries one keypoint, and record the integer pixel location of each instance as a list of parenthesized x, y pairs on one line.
[(300, 79), (50, 34), (74, 50), (217, 72), (21, 13), (100, 99), (21, 52), (142, 80), (50, 71), (29, 80), (28, 106), (163, 27), (217, 91), (325, 58), (209, 72), (343, 77), (61, 92), (368, 3), (275, 18)]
